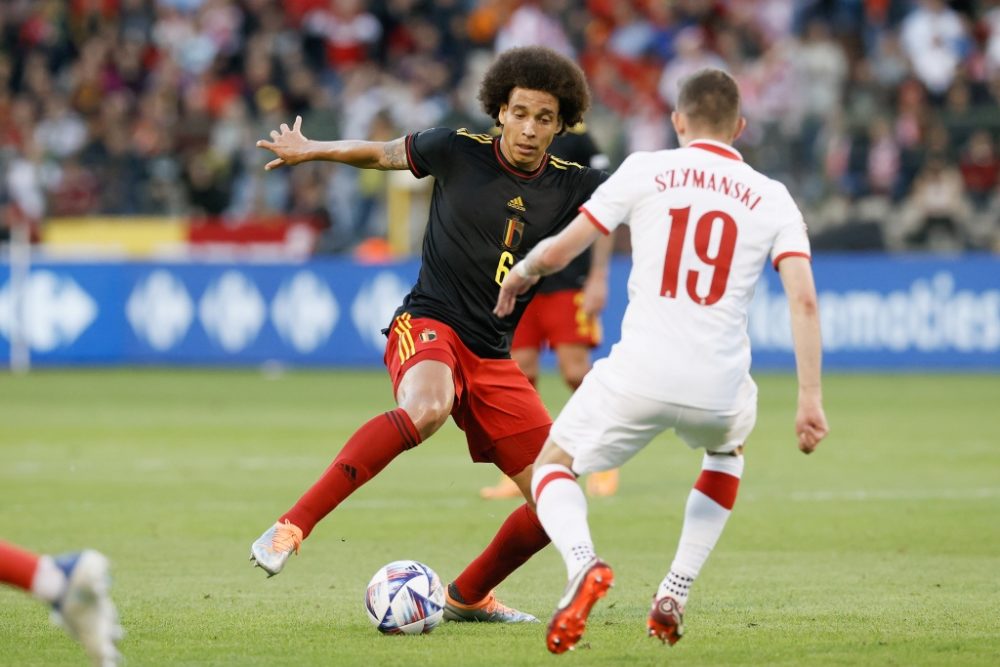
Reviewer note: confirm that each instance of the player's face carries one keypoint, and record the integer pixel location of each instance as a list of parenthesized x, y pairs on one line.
[(530, 121)]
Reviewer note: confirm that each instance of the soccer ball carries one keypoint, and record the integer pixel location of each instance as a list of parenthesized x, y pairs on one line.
[(405, 598)]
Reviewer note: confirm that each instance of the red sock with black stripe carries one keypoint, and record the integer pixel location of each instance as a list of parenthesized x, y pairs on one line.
[(708, 508), (365, 454), (520, 537), (17, 566), (562, 509)]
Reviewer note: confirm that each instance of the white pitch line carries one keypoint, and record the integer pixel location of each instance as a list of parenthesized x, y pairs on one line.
[(915, 494)]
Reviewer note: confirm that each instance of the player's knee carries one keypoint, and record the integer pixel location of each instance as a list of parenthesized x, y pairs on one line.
[(737, 451), (428, 415), (574, 370), (552, 453), (574, 377)]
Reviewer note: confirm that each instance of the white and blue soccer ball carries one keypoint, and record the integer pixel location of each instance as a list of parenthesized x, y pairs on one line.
[(405, 597)]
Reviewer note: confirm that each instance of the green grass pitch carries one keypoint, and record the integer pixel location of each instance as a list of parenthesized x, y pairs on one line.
[(883, 548)]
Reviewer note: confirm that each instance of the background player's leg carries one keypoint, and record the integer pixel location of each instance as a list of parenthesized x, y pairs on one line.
[(574, 363), (526, 359), (425, 395)]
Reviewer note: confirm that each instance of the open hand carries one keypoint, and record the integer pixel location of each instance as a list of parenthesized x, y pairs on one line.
[(289, 144)]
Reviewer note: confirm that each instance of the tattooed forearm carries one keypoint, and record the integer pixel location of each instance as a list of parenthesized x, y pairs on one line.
[(394, 155)]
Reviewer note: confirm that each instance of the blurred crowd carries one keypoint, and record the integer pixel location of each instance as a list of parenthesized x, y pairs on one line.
[(882, 116)]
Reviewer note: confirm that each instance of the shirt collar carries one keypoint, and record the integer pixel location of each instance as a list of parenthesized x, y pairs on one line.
[(717, 147)]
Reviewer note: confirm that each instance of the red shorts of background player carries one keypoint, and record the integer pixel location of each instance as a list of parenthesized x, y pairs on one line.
[(503, 417), (557, 318)]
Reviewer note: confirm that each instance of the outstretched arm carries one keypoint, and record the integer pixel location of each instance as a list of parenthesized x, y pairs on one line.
[(550, 255), (810, 420), (292, 147)]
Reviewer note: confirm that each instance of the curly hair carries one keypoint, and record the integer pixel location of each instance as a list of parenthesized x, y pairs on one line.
[(536, 68)]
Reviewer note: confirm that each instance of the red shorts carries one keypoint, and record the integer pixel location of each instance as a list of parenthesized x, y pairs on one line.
[(557, 318), (504, 419)]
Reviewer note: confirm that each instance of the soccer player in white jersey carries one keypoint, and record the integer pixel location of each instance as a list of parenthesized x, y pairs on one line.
[(703, 225)]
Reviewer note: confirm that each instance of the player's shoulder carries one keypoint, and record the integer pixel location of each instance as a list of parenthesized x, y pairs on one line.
[(452, 138), (776, 201), (773, 186), (467, 137), (566, 169), (564, 165)]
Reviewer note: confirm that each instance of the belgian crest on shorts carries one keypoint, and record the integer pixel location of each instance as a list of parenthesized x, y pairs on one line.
[(427, 335)]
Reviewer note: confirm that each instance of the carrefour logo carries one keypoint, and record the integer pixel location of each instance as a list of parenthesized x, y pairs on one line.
[(55, 311), (374, 306), (304, 312), (232, 311), (160, 310)]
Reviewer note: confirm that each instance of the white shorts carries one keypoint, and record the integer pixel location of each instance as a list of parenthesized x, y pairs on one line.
[(602, 428)]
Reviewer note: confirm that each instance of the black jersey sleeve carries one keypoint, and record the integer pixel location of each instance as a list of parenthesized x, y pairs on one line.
[(593, 179), (428, 151)]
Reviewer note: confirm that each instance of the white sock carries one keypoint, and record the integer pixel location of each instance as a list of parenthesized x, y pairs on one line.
[(676, 586), (704, 520), (562, 508), (49, 581)]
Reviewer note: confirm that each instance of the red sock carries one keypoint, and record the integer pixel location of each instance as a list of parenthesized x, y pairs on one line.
[(17, 566), (719, 486), (520, 537), (370, 449)]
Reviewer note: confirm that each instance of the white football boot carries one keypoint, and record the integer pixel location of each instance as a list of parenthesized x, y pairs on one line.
[(85, 609), (270, 551)]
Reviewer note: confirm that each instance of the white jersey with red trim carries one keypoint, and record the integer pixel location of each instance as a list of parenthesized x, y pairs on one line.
[(703, 223)]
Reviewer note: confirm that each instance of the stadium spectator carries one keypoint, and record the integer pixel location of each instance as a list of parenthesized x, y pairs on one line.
[(533, 23), (692, 54), (167, 73), (935, 41), (76, 587), (937, 211), (980, 169)]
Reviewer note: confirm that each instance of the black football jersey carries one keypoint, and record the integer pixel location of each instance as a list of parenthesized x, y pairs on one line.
[(485, 215), (575, 145)]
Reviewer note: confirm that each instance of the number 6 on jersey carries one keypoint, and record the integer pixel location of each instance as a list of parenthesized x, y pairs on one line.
[(720, 260)]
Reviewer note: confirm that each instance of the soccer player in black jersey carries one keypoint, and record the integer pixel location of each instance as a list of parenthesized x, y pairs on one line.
[(493, 200), (564, 313)]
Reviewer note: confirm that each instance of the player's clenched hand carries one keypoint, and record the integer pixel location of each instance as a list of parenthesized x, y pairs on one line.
[(595, 296), (289, 144), (810, 423), (513, 285)]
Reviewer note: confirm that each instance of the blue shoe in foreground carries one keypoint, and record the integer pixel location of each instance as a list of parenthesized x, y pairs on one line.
[(487, 610), (85, 609), (666, 620), (570, 620), (271, 550)]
